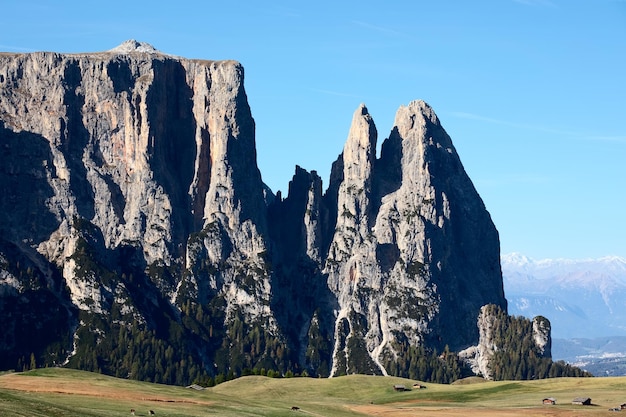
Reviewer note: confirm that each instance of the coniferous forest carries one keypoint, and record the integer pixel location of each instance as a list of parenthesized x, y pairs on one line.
[(196, 347), (518, 357)]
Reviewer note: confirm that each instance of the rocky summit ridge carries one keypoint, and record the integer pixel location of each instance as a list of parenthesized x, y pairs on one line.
[(135, 228), (132, 45)]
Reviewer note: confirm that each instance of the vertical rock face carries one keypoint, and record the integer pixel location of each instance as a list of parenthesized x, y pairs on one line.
[(142, 162), (135, 144), (133, 204)]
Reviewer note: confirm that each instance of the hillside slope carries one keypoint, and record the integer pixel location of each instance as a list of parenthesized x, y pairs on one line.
[(63, 392)]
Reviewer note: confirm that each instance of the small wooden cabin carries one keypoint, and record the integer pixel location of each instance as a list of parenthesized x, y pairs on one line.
[(549, 401), (581, 401), (399, 388)]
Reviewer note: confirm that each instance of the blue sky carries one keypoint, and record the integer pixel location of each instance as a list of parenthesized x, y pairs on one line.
[(532, 92)]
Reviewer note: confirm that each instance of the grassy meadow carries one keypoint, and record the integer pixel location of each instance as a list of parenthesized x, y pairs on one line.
[(65, 392)]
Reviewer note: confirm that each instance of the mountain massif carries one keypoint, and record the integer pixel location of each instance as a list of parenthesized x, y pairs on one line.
[(137, 237)]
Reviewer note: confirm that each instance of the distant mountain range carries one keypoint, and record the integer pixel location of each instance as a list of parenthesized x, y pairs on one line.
[(584, 301)]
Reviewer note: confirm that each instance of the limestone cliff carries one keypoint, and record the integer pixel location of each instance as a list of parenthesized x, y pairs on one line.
[(142, 162), (132, 203)]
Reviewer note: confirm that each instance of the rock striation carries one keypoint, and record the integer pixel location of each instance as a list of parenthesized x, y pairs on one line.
[(133, 204)]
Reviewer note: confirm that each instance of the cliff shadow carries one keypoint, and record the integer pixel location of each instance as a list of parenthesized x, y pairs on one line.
[(38, 317), (302, 301), (145, 285), (466, 246), (172, 148), (25, 163), (387, 173), (74, 140)]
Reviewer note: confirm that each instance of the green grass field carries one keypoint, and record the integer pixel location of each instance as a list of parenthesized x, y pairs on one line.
[(64, 392)]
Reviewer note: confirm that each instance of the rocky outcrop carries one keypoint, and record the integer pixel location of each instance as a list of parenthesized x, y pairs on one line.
[(131, 191), (527, 341), (542, 330), (479, 356)]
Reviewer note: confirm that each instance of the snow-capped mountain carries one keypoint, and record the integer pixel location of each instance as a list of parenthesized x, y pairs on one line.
[(583, 299)]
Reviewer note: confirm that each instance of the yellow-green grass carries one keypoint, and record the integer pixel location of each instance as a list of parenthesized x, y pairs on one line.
[(64, 392)]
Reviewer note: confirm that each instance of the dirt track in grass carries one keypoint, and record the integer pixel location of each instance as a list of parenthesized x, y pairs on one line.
[(69, 387), (398, 410)]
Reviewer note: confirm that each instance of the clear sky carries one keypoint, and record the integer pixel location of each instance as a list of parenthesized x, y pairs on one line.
[(532, 92)]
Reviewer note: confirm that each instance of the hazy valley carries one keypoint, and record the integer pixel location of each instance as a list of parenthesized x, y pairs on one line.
[(584, 300)]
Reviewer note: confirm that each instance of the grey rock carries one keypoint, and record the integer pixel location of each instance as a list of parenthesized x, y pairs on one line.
[(130, 183), (131, 46), (145, 147), (411, 236)]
